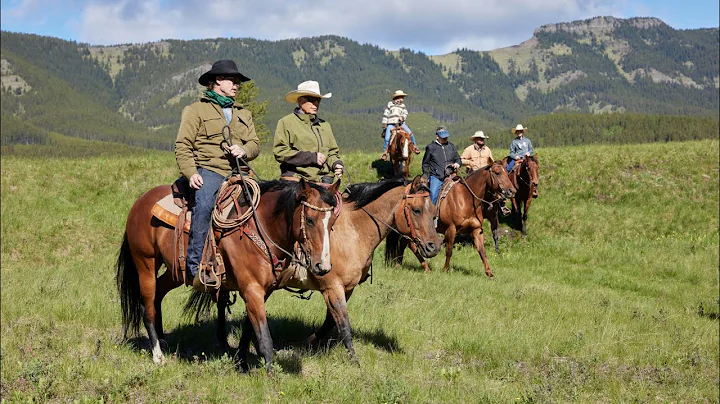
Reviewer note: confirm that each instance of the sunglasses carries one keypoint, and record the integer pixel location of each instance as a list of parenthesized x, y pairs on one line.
[(311, 99)]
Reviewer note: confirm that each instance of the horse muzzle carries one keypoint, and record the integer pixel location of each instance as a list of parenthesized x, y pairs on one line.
[(429, 249), (508, 192), (319, 269)]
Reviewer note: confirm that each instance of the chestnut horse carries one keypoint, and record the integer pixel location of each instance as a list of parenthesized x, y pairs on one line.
[(462, 211), (525, 177), (148, 244), (401, 149), (370, 212)]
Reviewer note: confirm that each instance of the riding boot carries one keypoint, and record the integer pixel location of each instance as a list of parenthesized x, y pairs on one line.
[(206, 281)]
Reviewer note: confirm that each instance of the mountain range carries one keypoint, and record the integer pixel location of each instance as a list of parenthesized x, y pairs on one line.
[(134, 93)]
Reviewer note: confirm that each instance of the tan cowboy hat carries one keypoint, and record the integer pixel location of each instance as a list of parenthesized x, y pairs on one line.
[(311, 88), (399, 93), (478, 134), (518, 128)]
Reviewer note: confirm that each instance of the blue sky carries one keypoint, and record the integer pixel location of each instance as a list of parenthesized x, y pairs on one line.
[(431, 26)]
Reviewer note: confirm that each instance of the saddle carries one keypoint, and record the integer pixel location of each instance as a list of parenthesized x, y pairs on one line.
[(174, 210), (447, 185)]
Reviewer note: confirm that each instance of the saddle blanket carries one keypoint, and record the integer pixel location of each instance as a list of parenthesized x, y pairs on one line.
[(167, 211)]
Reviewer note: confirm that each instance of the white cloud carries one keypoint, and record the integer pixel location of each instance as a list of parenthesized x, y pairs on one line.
[(428, 25)]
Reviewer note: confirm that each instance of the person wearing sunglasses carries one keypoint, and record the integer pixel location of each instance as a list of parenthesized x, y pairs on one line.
[(203, 156), (304, 144)]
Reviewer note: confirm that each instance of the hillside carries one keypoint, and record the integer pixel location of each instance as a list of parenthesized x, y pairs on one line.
[(133, 94)]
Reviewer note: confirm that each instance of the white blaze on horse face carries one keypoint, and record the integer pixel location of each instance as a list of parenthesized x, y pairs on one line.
[(405, 148), (325, 257)]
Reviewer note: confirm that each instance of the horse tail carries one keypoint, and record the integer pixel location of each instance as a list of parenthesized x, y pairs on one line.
[(394, 248), (128, 285), (196, 304)]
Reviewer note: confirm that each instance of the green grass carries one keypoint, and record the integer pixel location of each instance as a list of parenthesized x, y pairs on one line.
[(613, 296)]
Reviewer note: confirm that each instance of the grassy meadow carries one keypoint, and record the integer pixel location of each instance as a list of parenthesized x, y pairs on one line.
[(612, 297)]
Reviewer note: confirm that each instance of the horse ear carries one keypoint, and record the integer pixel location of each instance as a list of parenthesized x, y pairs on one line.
[(303, 187), (490, 159), (334, 187)]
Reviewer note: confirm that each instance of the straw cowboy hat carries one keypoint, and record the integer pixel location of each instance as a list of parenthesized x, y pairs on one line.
[(225, 68), (518, 128), (478, 134), (399, 93), (311, 88)]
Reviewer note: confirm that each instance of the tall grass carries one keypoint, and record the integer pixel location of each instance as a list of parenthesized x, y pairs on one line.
[(613, 296)]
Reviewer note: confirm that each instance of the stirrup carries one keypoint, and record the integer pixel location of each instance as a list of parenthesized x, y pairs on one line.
[(505, 211), (206, 282)]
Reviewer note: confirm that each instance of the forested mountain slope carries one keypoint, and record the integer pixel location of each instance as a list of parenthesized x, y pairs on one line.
[(133, 94)]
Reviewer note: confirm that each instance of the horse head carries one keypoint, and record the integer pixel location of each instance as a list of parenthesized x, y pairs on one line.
[(499, 182), (313, 219), (402, 143), (531, 165), (415, 216)]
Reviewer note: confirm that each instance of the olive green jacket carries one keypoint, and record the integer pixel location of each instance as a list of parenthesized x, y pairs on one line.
[(199, 138), (298, 140)]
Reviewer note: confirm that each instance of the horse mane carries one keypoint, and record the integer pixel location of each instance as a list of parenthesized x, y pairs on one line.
[(366, 192), (287, 201)]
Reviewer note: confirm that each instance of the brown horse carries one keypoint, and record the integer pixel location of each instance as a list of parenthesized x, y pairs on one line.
[(463, 209), (401, 150), (371, 211), (148, 244), (525, 177)]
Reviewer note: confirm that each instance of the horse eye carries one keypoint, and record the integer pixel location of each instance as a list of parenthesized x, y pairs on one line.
[(417, 211), (310, 222)]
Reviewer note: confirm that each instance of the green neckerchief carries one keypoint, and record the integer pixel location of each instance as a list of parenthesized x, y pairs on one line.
[(221, 100)]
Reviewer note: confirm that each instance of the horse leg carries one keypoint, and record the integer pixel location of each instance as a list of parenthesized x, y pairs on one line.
[(525, 215), (336, 301), (326, 326), (479, 239), (221, 331), (164, 284), (244, 344), (146, 274), (255, 305), (449, 241), (423, 263), (494, 227)]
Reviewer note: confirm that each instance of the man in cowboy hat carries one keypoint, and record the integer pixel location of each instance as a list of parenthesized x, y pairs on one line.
[(203, 156), (477, 155), (520, 147), (440, 157), (304, 144), (395, 115)]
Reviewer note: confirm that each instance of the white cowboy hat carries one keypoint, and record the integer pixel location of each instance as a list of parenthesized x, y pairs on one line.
[(518, 128), (311, 88), (399, 93), (478, 134)]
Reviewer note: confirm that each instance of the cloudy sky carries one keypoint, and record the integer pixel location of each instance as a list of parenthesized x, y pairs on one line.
[(431, 26)]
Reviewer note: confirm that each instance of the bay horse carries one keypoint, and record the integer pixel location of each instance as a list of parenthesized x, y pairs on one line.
[(462, 211), (371, 211), (525, 177), (401, 150), (148, 243)]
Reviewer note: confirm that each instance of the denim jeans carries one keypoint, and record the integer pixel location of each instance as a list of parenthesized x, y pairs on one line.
[(202, 216), (510, 165), (388, 134), (435, 185)]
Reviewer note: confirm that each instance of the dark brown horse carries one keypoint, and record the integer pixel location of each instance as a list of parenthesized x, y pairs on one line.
[(526, 178), (371, 211), (463, 208), (148, 244), (401, 150)]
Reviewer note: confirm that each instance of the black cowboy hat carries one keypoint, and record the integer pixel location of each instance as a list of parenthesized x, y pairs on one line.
[(225, 68)]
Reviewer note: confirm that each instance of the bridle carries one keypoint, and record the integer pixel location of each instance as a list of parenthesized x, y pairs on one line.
[(408, 215), (494, 181), (305, 243)]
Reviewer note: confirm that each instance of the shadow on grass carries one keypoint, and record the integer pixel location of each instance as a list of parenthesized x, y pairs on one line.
[(198, 343), (384, 169)]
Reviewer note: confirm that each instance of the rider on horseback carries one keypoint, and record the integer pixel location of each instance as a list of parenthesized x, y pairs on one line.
[(204, 158), (395, 115), (520, 148)]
